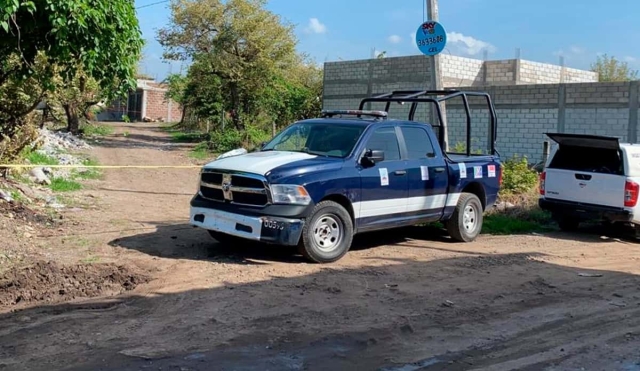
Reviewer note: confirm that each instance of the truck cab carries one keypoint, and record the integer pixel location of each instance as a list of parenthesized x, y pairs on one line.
[(321, 181)]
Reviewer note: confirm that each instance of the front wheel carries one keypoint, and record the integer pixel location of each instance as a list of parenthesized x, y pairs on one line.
[(466, 222), (328, 233)]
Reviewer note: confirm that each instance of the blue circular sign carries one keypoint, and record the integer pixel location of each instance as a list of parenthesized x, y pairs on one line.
[(431, 38)]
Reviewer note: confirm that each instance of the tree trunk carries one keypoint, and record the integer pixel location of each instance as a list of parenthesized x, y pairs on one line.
[(235, 106), (73, 121)]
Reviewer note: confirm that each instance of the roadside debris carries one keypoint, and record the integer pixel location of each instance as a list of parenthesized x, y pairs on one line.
[(589, 274), (448, 303)]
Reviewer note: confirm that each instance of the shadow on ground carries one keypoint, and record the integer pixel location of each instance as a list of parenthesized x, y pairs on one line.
[(503, 311), (183, 241)]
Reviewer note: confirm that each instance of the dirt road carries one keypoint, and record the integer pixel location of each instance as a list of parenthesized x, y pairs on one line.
[(403, 300)]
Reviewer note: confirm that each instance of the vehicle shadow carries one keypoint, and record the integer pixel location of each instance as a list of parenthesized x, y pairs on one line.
[(453, 313), (594, 232), (183, 241)]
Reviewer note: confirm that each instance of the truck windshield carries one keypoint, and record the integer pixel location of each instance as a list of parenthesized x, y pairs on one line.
[(332, 140)]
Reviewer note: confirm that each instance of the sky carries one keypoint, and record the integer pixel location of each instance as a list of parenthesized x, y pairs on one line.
[(543, 30)]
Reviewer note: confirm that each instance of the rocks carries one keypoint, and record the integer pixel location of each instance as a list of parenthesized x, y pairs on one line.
[(39, 177), (5, 196), (54, 141), (502, 206)]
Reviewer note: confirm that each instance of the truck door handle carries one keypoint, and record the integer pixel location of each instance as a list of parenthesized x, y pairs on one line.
[(439, 170), (400, 172)]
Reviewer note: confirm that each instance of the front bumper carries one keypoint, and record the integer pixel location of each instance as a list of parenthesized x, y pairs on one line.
[(278, 230), (585, 211)]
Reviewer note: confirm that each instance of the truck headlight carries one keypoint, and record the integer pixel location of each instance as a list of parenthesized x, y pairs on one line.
[(290, 194)]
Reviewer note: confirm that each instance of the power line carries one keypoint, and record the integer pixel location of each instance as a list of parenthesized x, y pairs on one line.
[(152, 4)]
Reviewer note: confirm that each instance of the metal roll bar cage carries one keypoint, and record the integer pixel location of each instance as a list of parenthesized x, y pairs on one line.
[(436, 96)]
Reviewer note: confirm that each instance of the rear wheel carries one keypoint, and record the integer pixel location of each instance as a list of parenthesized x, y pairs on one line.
[(466, 222), (328, 233)]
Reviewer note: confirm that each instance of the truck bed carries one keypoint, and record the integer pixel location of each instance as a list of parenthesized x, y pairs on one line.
[(455, 158)]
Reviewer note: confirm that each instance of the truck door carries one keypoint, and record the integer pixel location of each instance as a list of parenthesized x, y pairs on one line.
[(427, 175), (384, 185)]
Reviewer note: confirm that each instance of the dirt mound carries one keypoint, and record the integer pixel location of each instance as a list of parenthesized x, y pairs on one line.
[(19, 211), (47, 282)]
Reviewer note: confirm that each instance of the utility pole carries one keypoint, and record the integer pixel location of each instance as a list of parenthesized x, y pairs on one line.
[(436, 76)]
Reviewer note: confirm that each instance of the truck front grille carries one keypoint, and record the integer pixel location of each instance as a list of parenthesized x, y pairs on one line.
[(241, 189)]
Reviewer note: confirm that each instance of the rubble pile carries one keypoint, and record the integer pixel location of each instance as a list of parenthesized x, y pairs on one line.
[(55, 145), (59, 146)]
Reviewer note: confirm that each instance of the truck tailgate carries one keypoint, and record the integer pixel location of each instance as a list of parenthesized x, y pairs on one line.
[(585, 187)]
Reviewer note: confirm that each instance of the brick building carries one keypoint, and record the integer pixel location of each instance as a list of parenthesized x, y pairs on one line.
[(147, 101)]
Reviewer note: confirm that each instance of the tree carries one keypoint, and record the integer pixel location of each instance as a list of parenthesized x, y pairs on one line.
[(238, 41), (99, 38), (611, 69)]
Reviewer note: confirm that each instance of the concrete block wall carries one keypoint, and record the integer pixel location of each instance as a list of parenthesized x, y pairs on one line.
[(459, 71), (500, 72), (542, 73), (526, 112)]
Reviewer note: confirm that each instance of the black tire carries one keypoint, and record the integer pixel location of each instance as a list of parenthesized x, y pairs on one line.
[(326, 218), (459, 228), (223, 238), (568, 224)]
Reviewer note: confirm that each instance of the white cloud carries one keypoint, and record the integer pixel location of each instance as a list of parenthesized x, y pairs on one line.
[(468, 45), (630, 59), (572, 51), (315, 26), (577, 49), (395, 39)]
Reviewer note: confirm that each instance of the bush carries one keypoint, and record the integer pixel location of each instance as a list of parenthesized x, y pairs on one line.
[(517, 177), (230, 139), (223, 141)]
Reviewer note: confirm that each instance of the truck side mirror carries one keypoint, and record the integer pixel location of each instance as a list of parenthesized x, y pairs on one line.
[(262, 145), (371, 157)]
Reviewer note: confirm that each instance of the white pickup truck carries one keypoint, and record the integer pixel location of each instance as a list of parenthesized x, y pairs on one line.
[(591, 178)]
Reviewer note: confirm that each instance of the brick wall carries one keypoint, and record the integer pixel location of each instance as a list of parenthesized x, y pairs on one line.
[(159, 108), (525, 111)]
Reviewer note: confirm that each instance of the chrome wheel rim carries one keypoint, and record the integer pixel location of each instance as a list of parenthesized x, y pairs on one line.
[(470, 219), (327, 233)]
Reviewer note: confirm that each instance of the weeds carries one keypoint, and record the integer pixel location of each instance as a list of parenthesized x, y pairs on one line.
[(95, 130), (64, 185), (37, 158), (201, 152)]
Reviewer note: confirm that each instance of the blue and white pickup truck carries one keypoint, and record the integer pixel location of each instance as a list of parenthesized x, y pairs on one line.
[(321, 181)]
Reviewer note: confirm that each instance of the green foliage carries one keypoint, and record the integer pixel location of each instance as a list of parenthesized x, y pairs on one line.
[(611, 69), (64, 185), (461, 147), (101, 37), (96, 130), (245, 69), (88, 173), (201, 151), (500, 224), (225, 141), (188, 137), (517, 176), (38, 158), (126, 118)]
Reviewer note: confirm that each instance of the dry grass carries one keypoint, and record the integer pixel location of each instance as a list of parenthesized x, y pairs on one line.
[(523, 217)]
